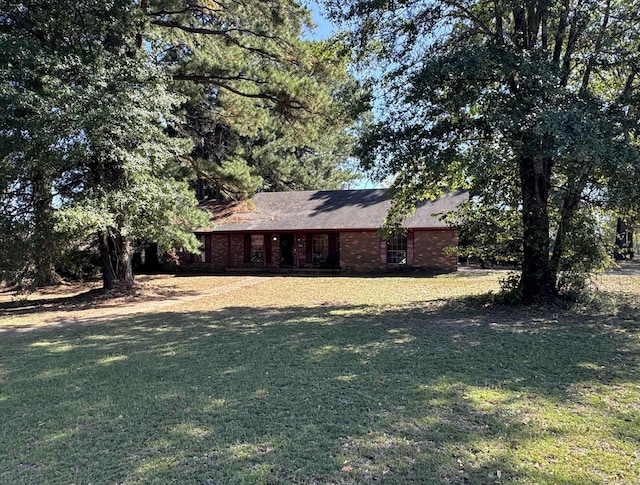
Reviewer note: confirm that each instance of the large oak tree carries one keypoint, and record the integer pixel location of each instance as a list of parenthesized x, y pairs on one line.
[(531, 104)]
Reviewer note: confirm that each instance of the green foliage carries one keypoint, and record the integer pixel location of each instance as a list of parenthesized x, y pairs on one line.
[(111, 110), (265, 109), (14, 268), (533, 106), (589, 251), (489, 233), (80, 262), (85, 149)]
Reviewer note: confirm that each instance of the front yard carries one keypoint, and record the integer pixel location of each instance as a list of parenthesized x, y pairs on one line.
[(319, 380)]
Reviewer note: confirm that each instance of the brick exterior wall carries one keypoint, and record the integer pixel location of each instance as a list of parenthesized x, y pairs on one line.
[(429, 246), (237, 250), (365, 251), (219, 243), (360, 251), (218, 258)]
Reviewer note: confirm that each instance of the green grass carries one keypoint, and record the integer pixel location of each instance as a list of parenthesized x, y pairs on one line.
[(354, 389)]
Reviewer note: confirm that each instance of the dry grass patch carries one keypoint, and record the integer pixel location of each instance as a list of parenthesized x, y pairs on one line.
[(345, 291), (81, 301)]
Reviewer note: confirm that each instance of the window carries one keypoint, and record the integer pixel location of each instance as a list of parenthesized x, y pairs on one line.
[(320, 248), (397, 249), (257, 248)]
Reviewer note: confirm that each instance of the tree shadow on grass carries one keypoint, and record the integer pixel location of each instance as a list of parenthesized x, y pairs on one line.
[(86, 300), (330, 394)]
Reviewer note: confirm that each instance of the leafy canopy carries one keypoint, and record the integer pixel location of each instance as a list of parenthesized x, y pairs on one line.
[(531, 105), (84, 146)]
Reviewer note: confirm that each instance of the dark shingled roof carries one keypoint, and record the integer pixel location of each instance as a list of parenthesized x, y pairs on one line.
[(323, 210)]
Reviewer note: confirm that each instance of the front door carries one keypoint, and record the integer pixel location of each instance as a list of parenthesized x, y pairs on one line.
[(286, 249)]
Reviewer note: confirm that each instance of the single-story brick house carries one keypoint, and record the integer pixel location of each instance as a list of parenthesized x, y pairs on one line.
[(324, 229)]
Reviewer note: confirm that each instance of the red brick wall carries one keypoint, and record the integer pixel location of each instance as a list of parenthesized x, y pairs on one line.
[(237, 250), (360, 250), (218, 251), (365, 251), (219, 255), (428, 249)]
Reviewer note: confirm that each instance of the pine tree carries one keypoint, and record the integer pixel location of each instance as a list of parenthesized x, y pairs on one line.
[(265, 109)]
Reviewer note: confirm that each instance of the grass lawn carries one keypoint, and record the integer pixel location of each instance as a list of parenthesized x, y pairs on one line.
[(323, 380)]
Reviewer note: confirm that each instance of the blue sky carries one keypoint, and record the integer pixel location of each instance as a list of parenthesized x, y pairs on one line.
[(323, 26), (324, 29)]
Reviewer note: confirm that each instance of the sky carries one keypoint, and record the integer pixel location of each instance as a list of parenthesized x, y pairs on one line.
[(324, 29), (323, 26)]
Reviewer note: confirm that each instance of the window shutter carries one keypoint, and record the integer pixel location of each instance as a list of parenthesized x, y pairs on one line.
[(383, 251), (334, 257), (410, 247), (207, 248), (309, 255), (267, 248)]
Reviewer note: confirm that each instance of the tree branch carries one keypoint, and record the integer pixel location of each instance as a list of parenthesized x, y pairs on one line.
[(473, 17), (222, 32), (574, 33), (281, 101), (596, 48), (561, 32), (216, 78), (226, 33), (498, 20)]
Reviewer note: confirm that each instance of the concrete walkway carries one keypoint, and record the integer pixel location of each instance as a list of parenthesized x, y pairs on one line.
[(627, 268)]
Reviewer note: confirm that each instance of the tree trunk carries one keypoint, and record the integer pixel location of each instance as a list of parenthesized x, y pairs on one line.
[(44, 244), (537, 283), (124, 256), (117, 255), (624, 240), (569, 206), (108, 272)]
